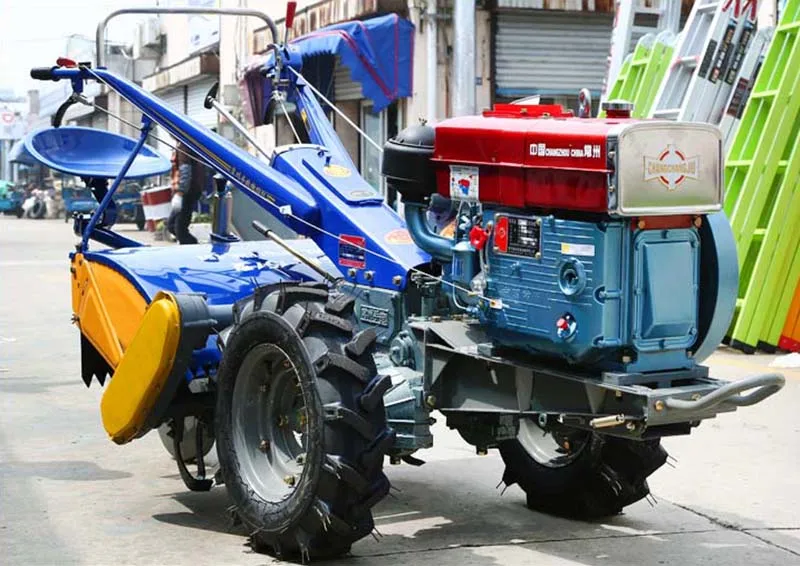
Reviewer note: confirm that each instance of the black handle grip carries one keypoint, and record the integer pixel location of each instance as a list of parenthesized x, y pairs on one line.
[(43, 73), (58, 117), (211, 96)]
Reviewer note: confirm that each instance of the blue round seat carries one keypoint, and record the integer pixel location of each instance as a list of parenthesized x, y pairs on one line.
[(86, 152)]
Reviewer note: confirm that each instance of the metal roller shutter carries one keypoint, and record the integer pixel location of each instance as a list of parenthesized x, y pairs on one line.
[(174, 98), (195, 101), (344, 87), (551, 53)]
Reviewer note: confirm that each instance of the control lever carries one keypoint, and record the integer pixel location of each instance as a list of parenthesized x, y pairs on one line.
[(270, 235), (291, 8)]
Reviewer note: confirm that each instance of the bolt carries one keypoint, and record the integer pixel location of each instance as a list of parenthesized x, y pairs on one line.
[(626, 360), (264, 446), (301, 459), (618, 394), (538, 255), (430, 401), (289, 480), (351, 273), (283, 420), (481, 450), (369, 275), (397, 280), (659, 405), (630, 425)]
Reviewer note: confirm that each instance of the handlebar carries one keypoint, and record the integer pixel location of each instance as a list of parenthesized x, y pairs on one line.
[(43, 73)]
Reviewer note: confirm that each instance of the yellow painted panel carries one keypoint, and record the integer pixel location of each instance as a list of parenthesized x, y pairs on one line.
[(123, 302), (141, 375), (107, 308), (90, 313)]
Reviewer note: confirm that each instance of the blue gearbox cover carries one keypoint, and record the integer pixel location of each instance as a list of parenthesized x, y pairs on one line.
[(596, 293)]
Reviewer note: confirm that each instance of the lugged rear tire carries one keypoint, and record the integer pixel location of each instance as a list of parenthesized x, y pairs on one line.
[(604, 475), (328, 506)]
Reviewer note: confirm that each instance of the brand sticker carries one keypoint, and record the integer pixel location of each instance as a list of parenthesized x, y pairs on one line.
[(464, 181), (352, 252), (671, 168), (337, 171), (586, 250), (398, 236), (588, 151)]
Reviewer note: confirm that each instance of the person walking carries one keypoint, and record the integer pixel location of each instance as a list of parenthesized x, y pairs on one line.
[(191, 180)]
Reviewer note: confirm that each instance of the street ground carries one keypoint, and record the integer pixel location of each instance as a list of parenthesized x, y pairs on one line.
[(70, 496)]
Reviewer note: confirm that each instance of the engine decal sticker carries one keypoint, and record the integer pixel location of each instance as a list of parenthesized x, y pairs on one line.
[(398, 237), (586, 250), (352, 252), (464, 182), (671, 168)]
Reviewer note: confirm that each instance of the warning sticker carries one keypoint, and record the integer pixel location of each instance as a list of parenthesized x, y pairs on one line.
[(577, 249), (464, 182), (352, 252)]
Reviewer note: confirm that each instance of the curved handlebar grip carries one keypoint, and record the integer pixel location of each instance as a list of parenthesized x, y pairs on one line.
[(43, 74), (58, 117), (211, 96)]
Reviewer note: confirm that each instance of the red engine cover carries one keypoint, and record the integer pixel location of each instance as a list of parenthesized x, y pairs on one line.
[(525, 156)]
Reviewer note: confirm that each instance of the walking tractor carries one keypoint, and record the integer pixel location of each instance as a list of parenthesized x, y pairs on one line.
[(563, 319)]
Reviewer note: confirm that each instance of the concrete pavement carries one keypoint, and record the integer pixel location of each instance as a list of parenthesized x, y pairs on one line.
[(70, 496)]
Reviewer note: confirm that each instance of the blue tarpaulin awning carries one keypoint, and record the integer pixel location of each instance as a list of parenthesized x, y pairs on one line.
[(378, 52), (19, 154)]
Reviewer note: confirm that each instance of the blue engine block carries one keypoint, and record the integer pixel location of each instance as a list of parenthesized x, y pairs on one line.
[(605, 295)]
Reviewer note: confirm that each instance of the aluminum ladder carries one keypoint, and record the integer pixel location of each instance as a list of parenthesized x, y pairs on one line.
[(743, 85), (694, 88)]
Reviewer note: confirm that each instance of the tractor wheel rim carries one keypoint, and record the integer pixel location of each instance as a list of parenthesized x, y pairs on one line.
[(549, 449), (270, 426)]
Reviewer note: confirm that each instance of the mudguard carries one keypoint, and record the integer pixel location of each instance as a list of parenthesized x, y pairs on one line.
[(154, 365)]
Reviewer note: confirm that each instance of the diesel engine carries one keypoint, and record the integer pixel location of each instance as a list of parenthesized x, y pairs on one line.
[(571, 237)]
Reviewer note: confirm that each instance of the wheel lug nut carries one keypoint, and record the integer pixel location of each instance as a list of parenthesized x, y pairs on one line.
[(264, 446), (301, 459), (283, 420), (289, 480)]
